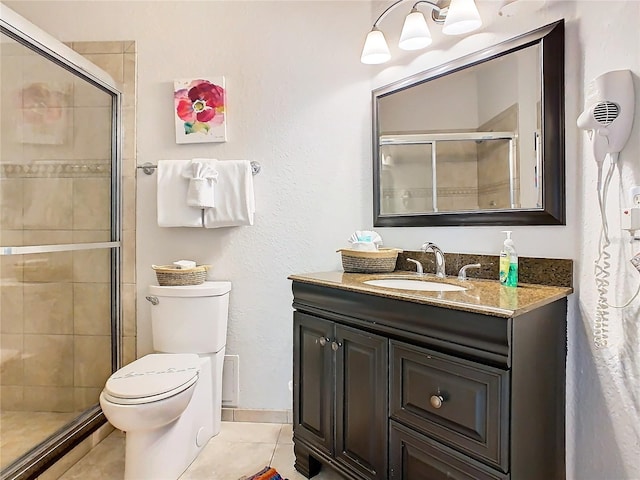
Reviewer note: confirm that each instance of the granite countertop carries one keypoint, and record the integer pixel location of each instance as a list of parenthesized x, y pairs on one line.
[(486, 297)]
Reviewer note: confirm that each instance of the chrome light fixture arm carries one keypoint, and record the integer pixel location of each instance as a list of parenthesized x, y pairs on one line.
[(433, 5)]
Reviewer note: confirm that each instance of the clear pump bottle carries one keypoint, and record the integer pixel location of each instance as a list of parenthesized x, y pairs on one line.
[(508, 262)]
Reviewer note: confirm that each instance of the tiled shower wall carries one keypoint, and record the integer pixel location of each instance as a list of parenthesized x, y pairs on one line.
[(55, 317)]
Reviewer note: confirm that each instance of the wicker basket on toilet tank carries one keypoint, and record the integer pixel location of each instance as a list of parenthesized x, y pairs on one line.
[(172, 276)]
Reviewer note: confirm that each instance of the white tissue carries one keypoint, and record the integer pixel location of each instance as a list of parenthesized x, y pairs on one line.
[(360, 237), (184, 264)]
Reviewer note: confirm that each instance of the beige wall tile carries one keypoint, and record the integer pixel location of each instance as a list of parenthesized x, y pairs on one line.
[(92, 203), (129, 203), (47, 237), (112, 63), (48, 360), (92, 266), (129, 136), (128, 257), (11, 354), (48, 308), (11, 308), (87, 48), (11, 203), (48, 267), (11, 398), (129, 79), (92, 309), (85, 397), (91, 236), (92, 360), (48, 399), (87, 95), (129, 46), (129, 310), (92, 134), (48, 203), (128, 350)]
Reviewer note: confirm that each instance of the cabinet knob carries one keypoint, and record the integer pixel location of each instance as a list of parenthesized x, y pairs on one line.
[(335, 346), (322, 341), (436, 401)]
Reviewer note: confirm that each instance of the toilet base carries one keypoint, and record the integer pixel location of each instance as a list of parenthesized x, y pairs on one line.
[(166, 452)]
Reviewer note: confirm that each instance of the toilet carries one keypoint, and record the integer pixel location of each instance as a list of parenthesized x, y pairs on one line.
[(169, 403)]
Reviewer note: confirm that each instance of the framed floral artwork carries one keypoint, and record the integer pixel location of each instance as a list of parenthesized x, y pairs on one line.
[(200, 110)]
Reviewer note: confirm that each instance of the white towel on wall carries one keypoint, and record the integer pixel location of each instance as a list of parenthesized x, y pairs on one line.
[(202, 176), (173, 210), (234, 197)]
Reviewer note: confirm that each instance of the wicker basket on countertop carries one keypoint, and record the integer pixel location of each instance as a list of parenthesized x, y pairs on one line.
[(172, 276), (379, 261)]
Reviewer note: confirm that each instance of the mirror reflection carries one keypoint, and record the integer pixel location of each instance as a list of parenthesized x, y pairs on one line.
[(476, 141), (466, 141)]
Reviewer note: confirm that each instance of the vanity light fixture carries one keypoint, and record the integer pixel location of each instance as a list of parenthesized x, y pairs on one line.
[(458, 16)]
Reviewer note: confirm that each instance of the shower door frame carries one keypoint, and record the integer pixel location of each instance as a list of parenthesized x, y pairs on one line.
[(45, 454)]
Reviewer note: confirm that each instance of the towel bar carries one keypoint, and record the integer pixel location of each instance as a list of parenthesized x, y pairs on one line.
[(149, 167)]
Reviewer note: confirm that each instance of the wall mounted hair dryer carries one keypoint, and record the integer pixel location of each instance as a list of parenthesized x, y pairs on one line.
[(608, 115)]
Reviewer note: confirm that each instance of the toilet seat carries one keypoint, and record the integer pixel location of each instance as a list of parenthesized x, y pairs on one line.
[(152, 378)]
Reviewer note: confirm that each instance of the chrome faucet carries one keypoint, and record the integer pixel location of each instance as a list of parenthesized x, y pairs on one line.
[(440, 269), (462, 275)]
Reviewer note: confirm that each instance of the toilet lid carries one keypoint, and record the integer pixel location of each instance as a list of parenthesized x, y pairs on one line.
[(153, 375)]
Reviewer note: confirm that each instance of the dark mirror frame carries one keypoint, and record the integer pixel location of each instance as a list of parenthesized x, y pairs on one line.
[(550, 38)]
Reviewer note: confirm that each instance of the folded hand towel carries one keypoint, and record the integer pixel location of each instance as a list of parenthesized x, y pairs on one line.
[(201, 175), (234, 197), (173, 210)]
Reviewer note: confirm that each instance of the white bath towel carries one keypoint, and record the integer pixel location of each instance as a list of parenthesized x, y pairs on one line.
[(173, 210), (202, 176), (234, 197)]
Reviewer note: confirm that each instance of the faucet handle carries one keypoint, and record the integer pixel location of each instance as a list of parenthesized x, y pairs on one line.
[(462, 275), (419, 269)]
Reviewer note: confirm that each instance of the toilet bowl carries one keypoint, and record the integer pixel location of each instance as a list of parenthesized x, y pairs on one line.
[(169, 404), (151, 392)]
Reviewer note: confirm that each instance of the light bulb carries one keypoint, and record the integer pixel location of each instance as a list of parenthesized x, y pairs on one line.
[(462, 17), (375, 48), (415, 32)]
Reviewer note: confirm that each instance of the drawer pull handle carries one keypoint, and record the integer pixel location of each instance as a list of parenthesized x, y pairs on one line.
[(436, 401), (335, 346), (322, 341)]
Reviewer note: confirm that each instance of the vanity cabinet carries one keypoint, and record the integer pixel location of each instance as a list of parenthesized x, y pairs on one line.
[(386, 388), (340, 406)]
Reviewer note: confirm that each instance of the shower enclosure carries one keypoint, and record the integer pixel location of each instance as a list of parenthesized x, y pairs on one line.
[(60, 242)]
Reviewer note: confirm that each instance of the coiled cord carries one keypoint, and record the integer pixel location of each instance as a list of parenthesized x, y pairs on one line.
[(602, 266), (601, 269)]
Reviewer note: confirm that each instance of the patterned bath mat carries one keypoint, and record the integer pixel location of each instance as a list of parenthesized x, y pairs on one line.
[(267, 473)]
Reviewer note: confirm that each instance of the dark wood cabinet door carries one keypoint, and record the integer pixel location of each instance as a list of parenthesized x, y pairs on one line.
[(361, 401), (416, 457), (313, 381)]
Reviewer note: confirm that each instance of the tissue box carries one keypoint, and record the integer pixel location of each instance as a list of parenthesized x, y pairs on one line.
[(379, 261)]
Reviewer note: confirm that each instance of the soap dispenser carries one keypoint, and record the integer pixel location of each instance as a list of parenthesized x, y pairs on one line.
[(508, 262)]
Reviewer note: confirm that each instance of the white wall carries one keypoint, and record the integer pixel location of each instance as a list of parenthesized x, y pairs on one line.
[(299, 104)]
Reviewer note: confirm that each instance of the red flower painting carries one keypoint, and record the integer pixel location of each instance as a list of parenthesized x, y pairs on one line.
[(200, 110)]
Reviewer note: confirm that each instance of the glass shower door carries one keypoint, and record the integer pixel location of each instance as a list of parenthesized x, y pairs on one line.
[(59, 245)]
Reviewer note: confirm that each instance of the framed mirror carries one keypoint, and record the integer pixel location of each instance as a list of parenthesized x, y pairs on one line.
[(477, 141)]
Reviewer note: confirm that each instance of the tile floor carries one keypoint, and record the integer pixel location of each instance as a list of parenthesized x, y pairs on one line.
[(19, 431), (239, 450)]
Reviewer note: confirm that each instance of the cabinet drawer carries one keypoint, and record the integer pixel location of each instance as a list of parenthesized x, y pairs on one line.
[(414, 456), (461, 403)]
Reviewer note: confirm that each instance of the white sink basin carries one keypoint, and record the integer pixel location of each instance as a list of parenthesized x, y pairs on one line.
[(409, 284)]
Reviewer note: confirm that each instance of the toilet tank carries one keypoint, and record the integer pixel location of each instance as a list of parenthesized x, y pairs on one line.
[(190, 319)]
